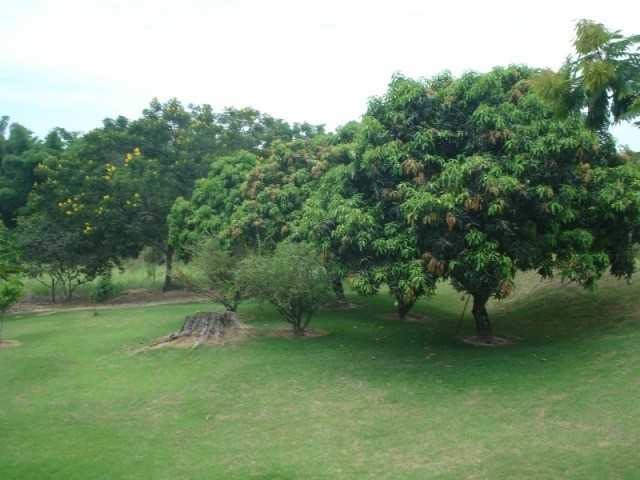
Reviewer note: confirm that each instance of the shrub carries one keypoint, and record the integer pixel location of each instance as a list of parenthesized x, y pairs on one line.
[(293, 279), (104, 290)]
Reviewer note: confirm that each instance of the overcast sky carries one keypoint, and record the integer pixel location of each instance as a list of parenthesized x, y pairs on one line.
[(71, 63)]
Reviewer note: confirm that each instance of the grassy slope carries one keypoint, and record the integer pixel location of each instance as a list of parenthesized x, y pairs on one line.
[(374, 398)]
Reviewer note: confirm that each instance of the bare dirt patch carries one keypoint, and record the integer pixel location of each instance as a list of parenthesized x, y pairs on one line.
[(497, 341), (411, 317), (9, 343), (341, 305), (128, 298)]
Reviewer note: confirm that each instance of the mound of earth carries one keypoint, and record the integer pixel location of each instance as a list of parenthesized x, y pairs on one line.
[(410, 317), (341, 305), (9, 343), (497, 341)]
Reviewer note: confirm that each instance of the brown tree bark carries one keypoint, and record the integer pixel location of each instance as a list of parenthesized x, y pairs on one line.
[(204, 326), (168, 278), (403, 308), (484, 332), (338, 289)]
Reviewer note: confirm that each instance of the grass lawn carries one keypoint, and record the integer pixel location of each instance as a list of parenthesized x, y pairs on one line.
[(374, 398)]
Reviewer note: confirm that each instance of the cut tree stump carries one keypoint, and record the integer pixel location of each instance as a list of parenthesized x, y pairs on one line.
[(204, 326)]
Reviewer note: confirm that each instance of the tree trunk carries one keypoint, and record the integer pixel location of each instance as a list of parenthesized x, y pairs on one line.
[(204, 326), (53, 291), (483, 326), (336, 285), (403, 308), (169, 275), (298, 329)]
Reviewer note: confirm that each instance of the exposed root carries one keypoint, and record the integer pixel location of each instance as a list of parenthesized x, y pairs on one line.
[(203, 326)]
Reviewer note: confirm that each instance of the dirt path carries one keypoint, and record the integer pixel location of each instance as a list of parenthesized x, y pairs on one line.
[(128, 298)]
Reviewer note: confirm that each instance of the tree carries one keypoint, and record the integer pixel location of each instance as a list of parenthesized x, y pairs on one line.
[(481, 182), (11, 289), (603, 77), (208, 211), (292, 278), (212, 272), (152, 258), (10, 265), (10, 292), (69, 234), (248, 200), (19, 156), (186, 142), (60, 254), (350, 215), (274, 192), (142, 191)]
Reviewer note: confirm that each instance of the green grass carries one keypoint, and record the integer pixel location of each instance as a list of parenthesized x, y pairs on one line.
[(372, 399)]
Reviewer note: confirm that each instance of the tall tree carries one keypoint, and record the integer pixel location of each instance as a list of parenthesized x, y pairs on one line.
[(482, 183), (11, 289), (19, 155), (603, 76)]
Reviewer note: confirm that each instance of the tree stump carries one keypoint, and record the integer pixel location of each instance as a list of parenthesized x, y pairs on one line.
[(204, 326)]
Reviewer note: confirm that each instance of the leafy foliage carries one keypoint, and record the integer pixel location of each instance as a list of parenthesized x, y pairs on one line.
[(604, 77), (60, 255), (292, 278), (104, 289), (470, 179), (10, 292), (212, 271)]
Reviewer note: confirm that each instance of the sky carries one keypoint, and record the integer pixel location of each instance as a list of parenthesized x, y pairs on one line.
[(72, 63)]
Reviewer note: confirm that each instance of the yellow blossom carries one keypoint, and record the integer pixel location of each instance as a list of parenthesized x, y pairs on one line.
[(136, 195), (106, 197), (68, 212)]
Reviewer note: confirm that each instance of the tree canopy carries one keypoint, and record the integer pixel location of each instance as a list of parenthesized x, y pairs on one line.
[(471, 179), (467, 179), (603, 76)]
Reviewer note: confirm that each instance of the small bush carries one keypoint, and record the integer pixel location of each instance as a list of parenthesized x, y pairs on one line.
[(104, 290), (10, 292), (152, 258), (293, 279)]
